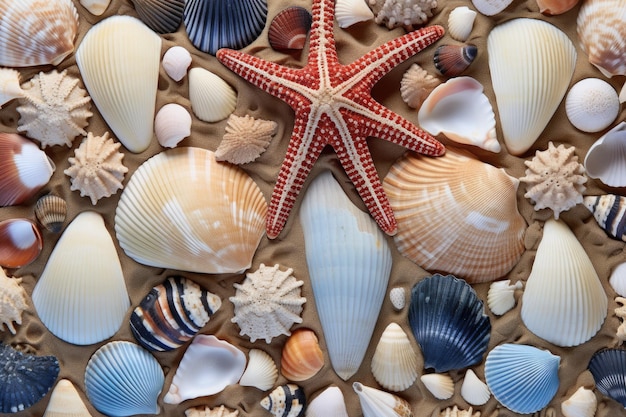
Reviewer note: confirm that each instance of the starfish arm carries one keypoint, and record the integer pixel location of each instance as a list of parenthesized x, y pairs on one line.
[(321, 34)]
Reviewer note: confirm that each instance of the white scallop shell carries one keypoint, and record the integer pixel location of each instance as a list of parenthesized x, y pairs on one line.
[(530, 80), (592, 105), (564, 302), (261, 371), (622, 94), (125, 98), (582, 403), (618, 279), (65, 402), (606, 158), (350, 12), (212, 98), (394, 364), (377, 403), (397, 296), (10, 87), (473, 390), (491, 7), (176, 61), (172, 124), (81, 295), (441, 386), (460, 23), (329, 402), (95, 7), (501, 296)]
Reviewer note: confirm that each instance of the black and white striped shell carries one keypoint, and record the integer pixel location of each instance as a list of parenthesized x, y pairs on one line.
[(609, 210), (285, 401)]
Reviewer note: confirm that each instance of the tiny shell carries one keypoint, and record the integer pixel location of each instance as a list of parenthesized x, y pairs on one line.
[(582, 403), (377, 403), (212, 98), (491, 7), (285, 401), (329, 403), (456, 412), (394, 364), (460, 23), (473, 390), (95, 7), (51, 211), (12, 301), (65, 402), (441, 386), (10, 87), (501, 296), (555, 7), (302, 356), (608, 367), (592, 105), (397, 296), (408, 13), (162, 16), (206, 411), (609, 211), (416, 85), (20, 242), (261, 371), (618, 279), (350, 12), (172, 124), (176, 61), (452, 60), (290, 28), (245, 139), (606, 158)]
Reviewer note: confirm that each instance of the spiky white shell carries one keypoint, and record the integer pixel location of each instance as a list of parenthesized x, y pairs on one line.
[(592, 105)]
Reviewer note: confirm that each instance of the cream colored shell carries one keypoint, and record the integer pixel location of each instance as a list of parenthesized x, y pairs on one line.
[(95, 7), (416, 85), (582, 403), (491, 7), (592, 105), (206, 411), (473, 390), (441, 386), (501, 296), (350, 12), (456, 412), (378, 403), (212, 98), (10, 87), (172, 124), (65, 402), (394, 364), (245, 139), (460, 23), (329, 403), (261, 371), (12, 301)]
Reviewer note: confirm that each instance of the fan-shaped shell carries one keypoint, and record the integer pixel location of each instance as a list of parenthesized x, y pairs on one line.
[(473, 390), (443, 203), (460, 23), (349, 265), (452, 60), (350, 12), (176, 61), (20, 242), (609, 211), (608, 368), (555, 7), (302, 356), (125, 98), (491, 7), (592, 105), (95, 7), (172, 124), (123, 379), (65, 402), (563, 302), (162, 220), (261, 371), (377, 403), (618, 279), (441, 386), (529, 81), (501, 296), (606, 158), (212, 98), (285, 401), (329, 402), (10, 87), (582, 403), (394, 364), (162, 16), (290, 28), (51, 211)]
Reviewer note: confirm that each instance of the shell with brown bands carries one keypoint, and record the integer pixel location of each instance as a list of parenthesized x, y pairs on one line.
[(51, 211)]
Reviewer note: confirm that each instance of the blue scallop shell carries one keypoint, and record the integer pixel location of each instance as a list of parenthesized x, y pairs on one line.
[(522, 378), (448, 322), (24, 379), (215, 24), (162, 16), (608, 368), (123, 379)]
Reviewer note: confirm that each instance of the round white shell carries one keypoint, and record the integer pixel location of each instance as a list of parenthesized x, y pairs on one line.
[(582, 403), (329, 403), (441, 386), (618, 279), (592, 105), (461, 22), (501, 296), (212, 98), (473, 390), (397, 296), (172, 124), (350, 12), (606, 158), (176, 61), (394, 364), (261, 371)]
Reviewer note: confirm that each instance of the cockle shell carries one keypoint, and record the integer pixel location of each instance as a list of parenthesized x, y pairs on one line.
[(20, 242), (245, 139), (261, 371), (608, 367), (416, 85), (172, 124), (12, 301), (473, 390), (95, 7), (609, 211), (592, 105), (529, 81), (452, 60), (176, 61), (555, 7), (443, 203), (65, 402), (394, 364), (491, 7), (377, 403), (408, 14), (582, 403), (212, 98), (162, 16), (154, 224), (441, 386), (126, 99), (289, 28), (460, 23), (606, 158), (206, 411), (563, 302), (10, 87), (302, 356), (350, 12), (36, 32), (329, 403), (285, 401), (51, 211), (501, 296)]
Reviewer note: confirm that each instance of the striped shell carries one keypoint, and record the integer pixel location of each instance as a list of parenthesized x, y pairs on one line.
[(162, 16), (285, 401), (20, 242), (394, 364), (289, 28), (302, 356), (609, 210), (452, 60), (51, 211), (212, 99), (261, 371), (608, 367)]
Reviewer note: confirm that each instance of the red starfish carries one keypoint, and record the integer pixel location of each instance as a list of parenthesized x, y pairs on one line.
[(334, 106)]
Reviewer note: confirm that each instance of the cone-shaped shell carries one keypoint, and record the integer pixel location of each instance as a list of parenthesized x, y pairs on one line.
[(349, 265), (285, 401), (582, 403), (530, 80), (592, 105), (302, 356), (212, 99), (20, 242), (261, 371), (606, 158), (162, 16), (608, 368), (162, 220), (65, 402), (473, 390), (377, 403), (563, 302), (51, 211), (443, 203), (289, 28), (125, 98), (394, 364), (329, 403), (609, 210), (81, 295)]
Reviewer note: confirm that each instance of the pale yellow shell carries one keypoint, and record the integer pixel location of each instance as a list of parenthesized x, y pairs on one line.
[(394, 364), (245, 139), (212, 99), (582, 403), (441, 386), (66, 402)]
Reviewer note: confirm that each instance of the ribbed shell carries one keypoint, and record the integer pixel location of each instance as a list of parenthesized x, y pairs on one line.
[(609, 210), (212, 99), (394, 364), (452, 60), (20, 242), (460, 23), (261, 371), (608, 368), (162, 16), (66, 402), (302, 356), (605, 158), (51, 211), (378, 403), (289, 28)]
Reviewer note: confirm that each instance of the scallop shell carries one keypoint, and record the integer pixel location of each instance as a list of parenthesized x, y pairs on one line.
[(522, 378), (172, 313), (592, 105), (12, 301), (81, 295), (65, 402), (394, 364), (529, 81), (618, 279), (212, 98), (196, 375), (290, 28), (172, 124), (95, 7), (555, 7), (602, 34), (377, 403), (206, 411), (491, 7), (349, 265), (20, 242), (441, 386), (460, 23), (126, 99), (416, 85), (449, 323), (285, 401), (350, 12), (452, 60), (443, 203), (473, 390), (261, 371), (582, 403), (24, 169), (606, 158), (501, 296), (608, 367), (35, 33), (176, 61), (123, 379), (51, 211), (609, 211), (461, 111), (245, 139), (456, 412), (153, 229), (162, 16), (10, 87), (622, 94), (210, 26), (302, 356), (397, 296), (329, 403), (563, 302)]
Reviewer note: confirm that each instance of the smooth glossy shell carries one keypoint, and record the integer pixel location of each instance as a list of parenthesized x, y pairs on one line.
[(555, 7), (51, 211), (592, 105), (176, 62), (606, 158), (162, 16), (261, 371), (452, 60), (212, 98), (618, 279), (66, 402), (290, 28), (582, 403), (20, 242), (460, 23), (10, 87), (285, 401), (350, 12), (377, 403), (608, 368), (95, 7), (394, 364), (473, 390), (172, 124), (329, 402), (302, 356)]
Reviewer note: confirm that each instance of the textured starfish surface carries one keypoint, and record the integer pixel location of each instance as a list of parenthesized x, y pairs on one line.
[(333, 106)]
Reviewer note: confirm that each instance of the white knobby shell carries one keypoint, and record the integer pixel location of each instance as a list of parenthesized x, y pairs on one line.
[(491, 7), (329, 402), (10, 87), (95, 7), (212, 98), (65, 402), (172, 124), (605, 158), (460, 23), (618, 279), (441, 386), (582, 403), (473, 390), (261, 371), (176, 61), (350, 12), (501, 296), (394, 364), (592, 105)]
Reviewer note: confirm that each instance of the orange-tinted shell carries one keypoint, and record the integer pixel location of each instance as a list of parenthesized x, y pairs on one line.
[(554, 7), (302, 357), (20, 243)]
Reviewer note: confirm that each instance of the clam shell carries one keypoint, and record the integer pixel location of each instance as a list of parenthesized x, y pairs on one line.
[(606, 158), (172, 124), (501, 296), (95, 7), (126, 99), (592, 105), (609, 211), (290, 28), (81, 295), (563, 302), (10, 86), (329, 403), (460, 23), (449, 323), (20, 242), (302, 356), (349, 265), (123, 379), (152, 220), (162, 16), (618, 279), (452, 60), (51, 211), (582, 403), (529, 81), (350, 12), (555, 7), (65, 402), (441, 386), (608, 367), (491, 7), (212, 98), (377, 403), (473, 390), (443, 203), (285, 401), (394, 364), (261, 371), (176, 61)]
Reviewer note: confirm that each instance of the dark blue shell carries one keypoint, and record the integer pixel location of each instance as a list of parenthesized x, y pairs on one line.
[(448, 321), (608, 368), (162, 16)]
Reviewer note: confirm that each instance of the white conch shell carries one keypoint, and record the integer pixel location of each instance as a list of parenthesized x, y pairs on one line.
[(172, 124), (592, 105), (95, 7), (176, 61), (473, 390), (441, 386), (212, 98), (65, 402), (377, 403), (582, 403), (618, 279), (605, 159), (350, 12), (394, 364), (529, 81), (491, 7), (261, 371), (564, 302), (501, 296), (460, 23), (10, 87), (329, 403), (125, 98)]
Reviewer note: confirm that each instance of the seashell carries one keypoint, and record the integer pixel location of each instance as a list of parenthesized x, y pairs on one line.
[(602, 35), (409, 13), (441, 386), (51, 211), (563, 302), (473, 390), (10, 87), (329, 403), (452, 60), (460, 23), (442, 203), (609, 211), (267, 303), (176, 61), (491, 7), (152, 228), (24, 169), (529, 81), (172, 124), (555, 7), (620, 312), (416, 85), (302, 356), (622, 94), (96, 170), (196, 375), (95, 7), (350, 12), (81, 295), (618, 279), (290, 28), (206, 411), (172, 313), (592, 105), (212, 99), (65, 402), (377, 403), (54, 109), (608, 367), (394, 364), (448, 321), (211, 27), (397, 296), (246, 138), (261, 371), (126, 99), (24, 379), (12, 301), (29, 39), (349, 264), (20, 242), (162, 16), (501, 297), (522, 378), (455, 412), (461, 111), (123, 379), (285, 401), (605, 158), (582, 403)]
